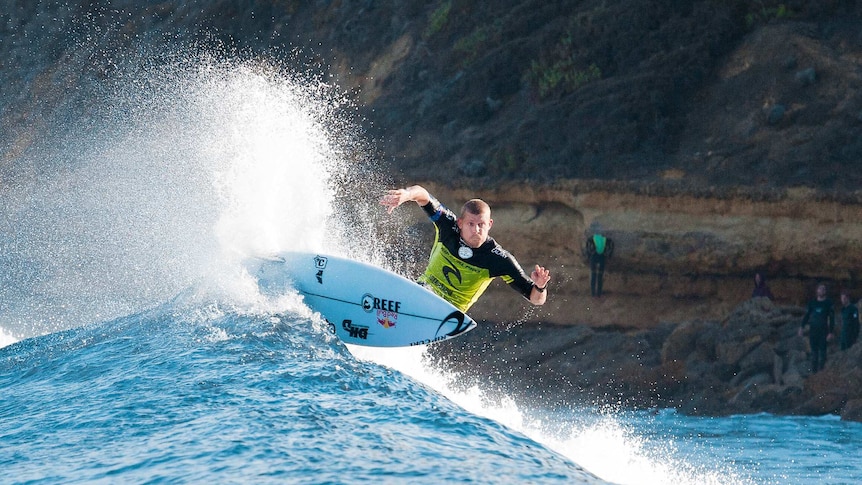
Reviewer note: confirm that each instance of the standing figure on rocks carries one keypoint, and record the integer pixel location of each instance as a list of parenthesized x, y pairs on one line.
[(821, 317), (761, 289), (599, 249), (464, 259), (849, 321)]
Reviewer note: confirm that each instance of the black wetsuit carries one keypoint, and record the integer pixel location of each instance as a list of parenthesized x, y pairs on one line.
[(849, 326), (821, 317), (460, 274)]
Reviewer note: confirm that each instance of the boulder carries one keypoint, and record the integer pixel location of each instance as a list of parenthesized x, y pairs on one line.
[(751, 362), (852, 411), (689, 337), (829, 402)]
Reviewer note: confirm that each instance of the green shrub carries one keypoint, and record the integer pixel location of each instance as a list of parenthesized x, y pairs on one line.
[(438, 19), (471, 46), (561, 75), (760, 13), (558, 70), (507, 161), (468, 47)]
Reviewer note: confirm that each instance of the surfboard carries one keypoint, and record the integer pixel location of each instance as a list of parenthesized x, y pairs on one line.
[(363, 304)]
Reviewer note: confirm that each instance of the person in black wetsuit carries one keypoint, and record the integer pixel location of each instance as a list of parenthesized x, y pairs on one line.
[(849, 321), (464, 259), (821, 317)]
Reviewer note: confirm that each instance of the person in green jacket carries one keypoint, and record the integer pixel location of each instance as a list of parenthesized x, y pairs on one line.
[(599, 249)]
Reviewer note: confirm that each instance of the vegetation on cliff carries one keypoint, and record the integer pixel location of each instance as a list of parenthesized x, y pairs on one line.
[(709, 93)]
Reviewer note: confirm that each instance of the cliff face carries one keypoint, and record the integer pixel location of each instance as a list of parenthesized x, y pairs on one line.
[(679, 254), (711, 93)]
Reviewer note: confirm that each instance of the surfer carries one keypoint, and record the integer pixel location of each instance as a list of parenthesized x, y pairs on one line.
[(464, 259)]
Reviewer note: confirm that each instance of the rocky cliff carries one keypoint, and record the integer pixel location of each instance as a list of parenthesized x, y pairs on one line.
[(680, 253)]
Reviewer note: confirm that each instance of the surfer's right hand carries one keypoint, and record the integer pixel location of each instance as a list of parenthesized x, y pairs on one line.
[(392, 199), (395, 197)]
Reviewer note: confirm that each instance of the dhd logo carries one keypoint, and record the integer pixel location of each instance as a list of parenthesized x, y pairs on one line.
[(355, 331)]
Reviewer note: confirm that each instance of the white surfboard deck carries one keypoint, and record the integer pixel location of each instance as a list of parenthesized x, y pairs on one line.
[(364, 304)]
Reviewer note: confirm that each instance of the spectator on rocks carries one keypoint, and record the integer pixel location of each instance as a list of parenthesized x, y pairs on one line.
[(821, 318), (849, 321), (599, 249), (761, 289)]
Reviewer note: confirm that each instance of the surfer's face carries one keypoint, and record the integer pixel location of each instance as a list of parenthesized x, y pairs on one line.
[(474, 228), (821, 291)]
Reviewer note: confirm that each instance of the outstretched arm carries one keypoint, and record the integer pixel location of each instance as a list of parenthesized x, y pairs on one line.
[(393, 198), (540, 276)]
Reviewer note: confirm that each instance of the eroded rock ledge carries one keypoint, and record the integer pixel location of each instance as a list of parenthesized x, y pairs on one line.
[(681, 252)]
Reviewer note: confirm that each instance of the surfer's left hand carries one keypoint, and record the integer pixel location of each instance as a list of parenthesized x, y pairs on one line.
[(540, 276)]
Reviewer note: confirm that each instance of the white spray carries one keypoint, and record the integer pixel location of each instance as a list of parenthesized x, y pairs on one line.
[(180, 179)]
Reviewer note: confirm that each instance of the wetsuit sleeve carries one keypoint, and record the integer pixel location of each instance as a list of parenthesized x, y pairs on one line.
[(517, 278), (437, 211), (589, 250), (609, 248)]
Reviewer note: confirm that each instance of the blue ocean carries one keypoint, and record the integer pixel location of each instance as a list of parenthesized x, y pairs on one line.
[(135, 349)]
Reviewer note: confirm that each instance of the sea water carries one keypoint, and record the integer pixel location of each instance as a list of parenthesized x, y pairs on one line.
[(135, 349)]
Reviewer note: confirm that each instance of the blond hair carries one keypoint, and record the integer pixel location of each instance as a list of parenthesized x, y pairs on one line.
[(475, 206)]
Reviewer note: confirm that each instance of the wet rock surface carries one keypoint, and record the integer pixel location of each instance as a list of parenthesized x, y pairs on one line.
[(749, 362)]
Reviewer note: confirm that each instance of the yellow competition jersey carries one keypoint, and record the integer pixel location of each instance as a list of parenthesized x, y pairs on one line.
[(460, 274)]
